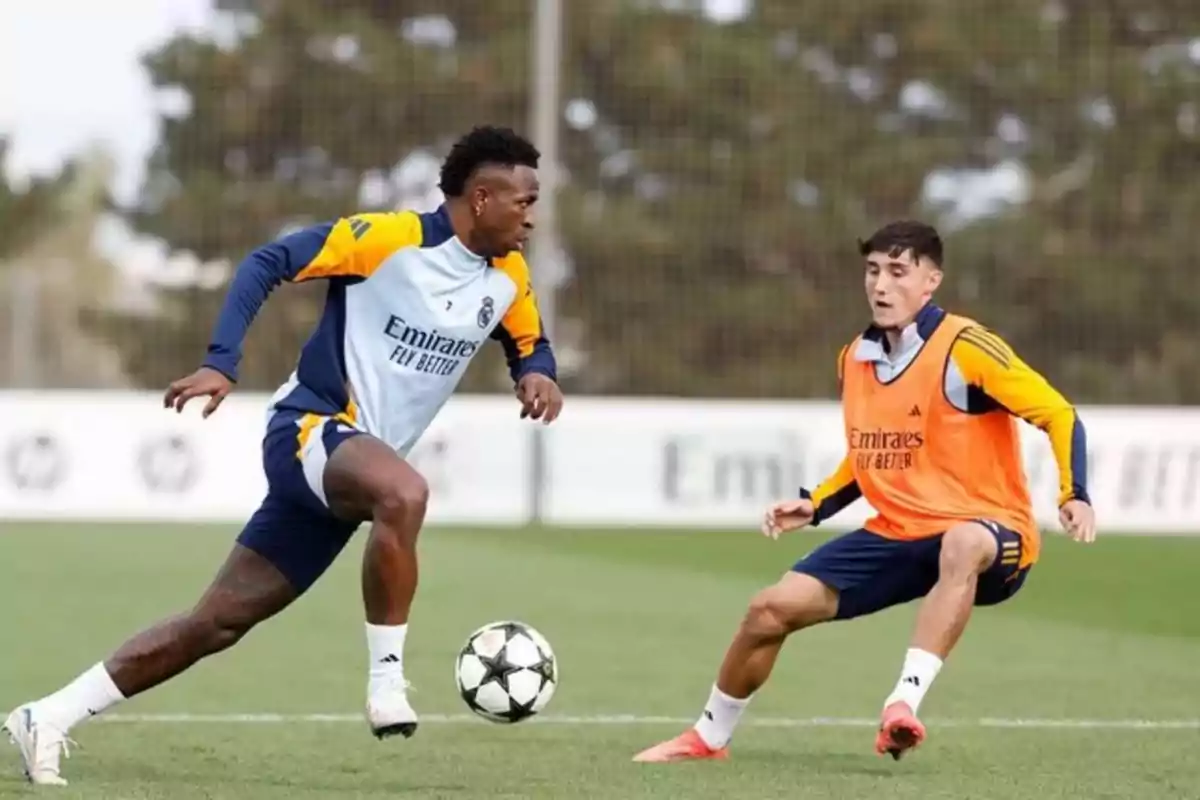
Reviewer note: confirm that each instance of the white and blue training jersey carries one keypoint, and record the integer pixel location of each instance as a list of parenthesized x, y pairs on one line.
[(407, 309)]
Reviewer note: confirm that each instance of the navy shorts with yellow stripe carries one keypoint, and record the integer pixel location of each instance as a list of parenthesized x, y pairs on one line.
[(871, 572), (294, 528)]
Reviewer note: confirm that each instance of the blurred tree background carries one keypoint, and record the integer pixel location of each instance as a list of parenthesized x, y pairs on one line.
[(717, 174), (52, 279)]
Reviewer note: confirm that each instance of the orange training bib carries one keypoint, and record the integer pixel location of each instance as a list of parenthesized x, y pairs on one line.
[(923, 464)]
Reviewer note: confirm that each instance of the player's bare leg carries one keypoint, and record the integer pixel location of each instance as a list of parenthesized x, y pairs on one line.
[(365, 479), (797, 601), (246, 591), (968, 550)]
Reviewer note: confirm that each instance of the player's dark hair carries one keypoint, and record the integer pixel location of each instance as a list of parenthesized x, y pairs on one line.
[(896, 238), (485, 144)]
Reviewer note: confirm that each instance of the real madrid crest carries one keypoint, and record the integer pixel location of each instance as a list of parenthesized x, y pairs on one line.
[(486, 312)]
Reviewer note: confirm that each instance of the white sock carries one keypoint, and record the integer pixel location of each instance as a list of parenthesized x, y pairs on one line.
[(385, 647), (720, 718), (920, 668), (86, 696)]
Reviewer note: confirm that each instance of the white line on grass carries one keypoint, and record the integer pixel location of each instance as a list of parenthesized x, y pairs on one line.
[(632, 719)]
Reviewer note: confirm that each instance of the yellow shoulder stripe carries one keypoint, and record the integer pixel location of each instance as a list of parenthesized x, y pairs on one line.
[(357, 245), (989, 344)]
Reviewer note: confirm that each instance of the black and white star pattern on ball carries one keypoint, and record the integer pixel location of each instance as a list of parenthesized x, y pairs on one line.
[(518, 711), (545, 668), (510, 672), (498, 669)]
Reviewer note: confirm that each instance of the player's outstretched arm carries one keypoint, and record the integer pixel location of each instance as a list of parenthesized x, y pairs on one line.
[(987, 362), (811, 508), (530, 357), (349, 248)]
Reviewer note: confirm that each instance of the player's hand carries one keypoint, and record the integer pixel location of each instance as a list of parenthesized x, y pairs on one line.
[(1078, 520), (787, 516), (540, 398), (204, 382)]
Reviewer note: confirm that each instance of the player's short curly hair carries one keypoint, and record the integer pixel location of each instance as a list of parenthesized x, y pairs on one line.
[(905, 235), (486, 144)]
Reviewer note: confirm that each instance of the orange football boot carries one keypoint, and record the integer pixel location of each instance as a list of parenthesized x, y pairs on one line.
[(687, 746), (899, 730)]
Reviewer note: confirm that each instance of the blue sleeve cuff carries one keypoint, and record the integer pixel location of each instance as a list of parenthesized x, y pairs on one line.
[(224, 363), (834, 503), (540, 362), (805, 494), (1080, 493), (1079, 461)]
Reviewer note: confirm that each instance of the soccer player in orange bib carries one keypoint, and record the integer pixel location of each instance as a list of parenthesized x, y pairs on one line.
[(929, 400)]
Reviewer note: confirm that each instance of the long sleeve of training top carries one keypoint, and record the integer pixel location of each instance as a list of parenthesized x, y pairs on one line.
[(1000, 377), (348, 249)]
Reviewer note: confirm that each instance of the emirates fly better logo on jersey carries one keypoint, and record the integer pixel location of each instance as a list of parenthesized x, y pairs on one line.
[(882, 449), (427, 351)]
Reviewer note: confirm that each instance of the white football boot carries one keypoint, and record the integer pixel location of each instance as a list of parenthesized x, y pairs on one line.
[(388, 709), (42, 746)]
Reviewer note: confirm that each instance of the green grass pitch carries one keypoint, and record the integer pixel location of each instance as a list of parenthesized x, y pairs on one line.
[(639, 620)]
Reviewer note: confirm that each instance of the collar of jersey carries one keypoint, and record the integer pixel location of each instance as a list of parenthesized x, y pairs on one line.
[(873, 345), (437, 231)]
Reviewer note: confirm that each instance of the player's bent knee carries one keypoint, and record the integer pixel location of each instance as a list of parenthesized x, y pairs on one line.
[(766, 617), (796, 602), (967, 549), (403, 502)]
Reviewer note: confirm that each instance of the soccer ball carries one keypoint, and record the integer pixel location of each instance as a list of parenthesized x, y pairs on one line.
[(506, 672)]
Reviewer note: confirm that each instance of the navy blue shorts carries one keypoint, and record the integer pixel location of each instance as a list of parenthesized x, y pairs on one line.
[(294, 528), (872, 573)]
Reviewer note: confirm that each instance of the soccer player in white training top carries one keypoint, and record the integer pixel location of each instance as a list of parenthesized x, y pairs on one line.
[(411, 299)]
